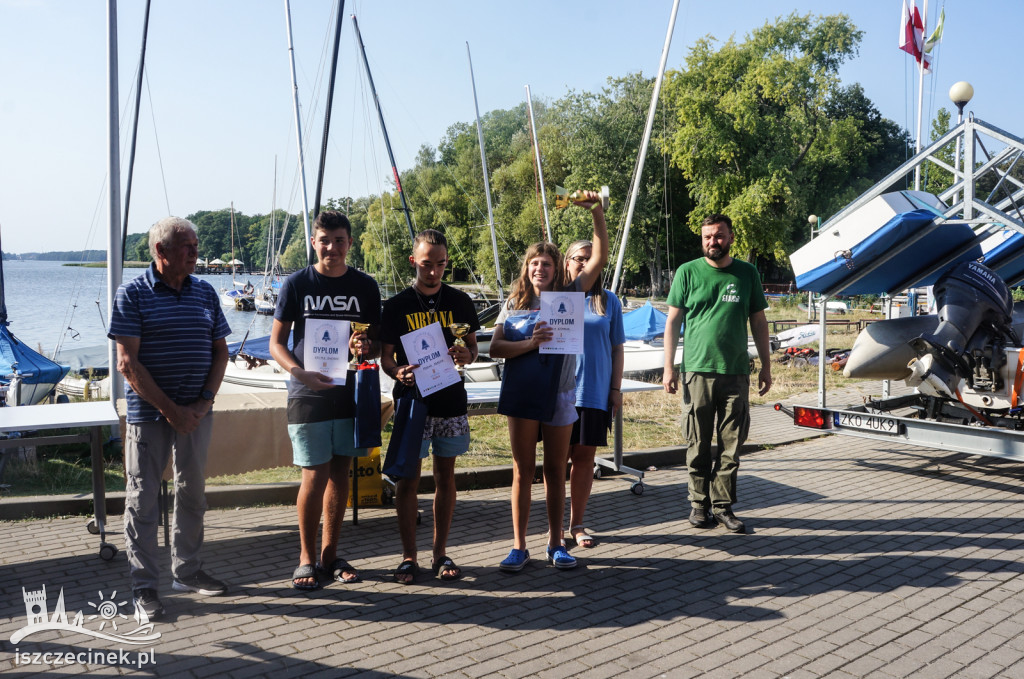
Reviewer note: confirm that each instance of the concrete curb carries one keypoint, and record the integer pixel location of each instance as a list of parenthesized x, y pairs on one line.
[(218, 497)]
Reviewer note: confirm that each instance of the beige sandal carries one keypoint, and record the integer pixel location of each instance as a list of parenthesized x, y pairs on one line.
[(581, 538)]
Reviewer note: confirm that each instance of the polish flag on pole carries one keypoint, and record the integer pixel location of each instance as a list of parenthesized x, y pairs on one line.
[(912, 34)]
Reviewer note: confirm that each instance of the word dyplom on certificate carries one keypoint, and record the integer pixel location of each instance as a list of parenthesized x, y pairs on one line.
[(426, 349), (563, 311), (325, 348)]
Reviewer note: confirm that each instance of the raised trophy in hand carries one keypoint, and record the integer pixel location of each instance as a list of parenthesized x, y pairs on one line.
[(563, 198)]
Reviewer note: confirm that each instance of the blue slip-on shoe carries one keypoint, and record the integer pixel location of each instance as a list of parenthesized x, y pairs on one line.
[(560, 558), (515, 561)]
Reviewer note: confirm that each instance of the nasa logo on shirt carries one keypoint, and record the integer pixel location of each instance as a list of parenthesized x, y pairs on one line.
[(326, 302)]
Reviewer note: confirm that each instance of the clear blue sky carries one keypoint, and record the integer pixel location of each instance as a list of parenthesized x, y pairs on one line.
[(219, 88)]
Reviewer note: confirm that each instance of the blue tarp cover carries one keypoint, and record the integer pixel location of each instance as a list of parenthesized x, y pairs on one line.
[(644, 323), (14, 355), (918, 258), (1007, 258), (257, 347)]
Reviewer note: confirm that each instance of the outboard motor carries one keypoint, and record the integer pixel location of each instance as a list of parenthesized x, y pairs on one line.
[(975, 308)]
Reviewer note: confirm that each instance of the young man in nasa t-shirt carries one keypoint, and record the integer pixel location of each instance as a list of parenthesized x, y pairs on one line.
[(320, 413)]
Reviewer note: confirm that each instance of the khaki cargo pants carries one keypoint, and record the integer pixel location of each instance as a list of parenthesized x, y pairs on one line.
[(709, 398)]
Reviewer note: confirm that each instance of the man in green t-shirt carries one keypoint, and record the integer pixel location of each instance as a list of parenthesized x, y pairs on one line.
[(714, 297)]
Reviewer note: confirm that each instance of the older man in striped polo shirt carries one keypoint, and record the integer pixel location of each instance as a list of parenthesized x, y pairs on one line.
[(171, 348)]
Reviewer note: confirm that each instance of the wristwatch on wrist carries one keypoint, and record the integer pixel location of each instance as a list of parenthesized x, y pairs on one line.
[(207, 395)]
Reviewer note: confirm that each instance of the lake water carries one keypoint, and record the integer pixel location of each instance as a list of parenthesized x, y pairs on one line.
[(48, 303)]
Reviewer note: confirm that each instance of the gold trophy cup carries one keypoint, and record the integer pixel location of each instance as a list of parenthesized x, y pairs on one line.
[(357, 326), (460, 330), (563, 198)]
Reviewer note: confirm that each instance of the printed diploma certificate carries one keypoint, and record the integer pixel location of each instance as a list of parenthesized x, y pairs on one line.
[(325, 348), (427, 349), (563, 311)]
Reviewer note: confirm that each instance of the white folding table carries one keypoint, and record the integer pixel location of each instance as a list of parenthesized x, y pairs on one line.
[(95, 415)]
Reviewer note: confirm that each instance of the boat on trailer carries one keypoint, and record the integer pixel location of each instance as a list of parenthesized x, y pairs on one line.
[(907, 225), (966, 363)]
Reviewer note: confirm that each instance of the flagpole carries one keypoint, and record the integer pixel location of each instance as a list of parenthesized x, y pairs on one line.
[(920, 95)]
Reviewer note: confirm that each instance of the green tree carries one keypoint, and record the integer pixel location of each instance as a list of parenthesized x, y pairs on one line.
[(294, 256), (860, 148), (752, 129), (214, 231), (462, 201), (603, 133), (938, 179), (136, 247)]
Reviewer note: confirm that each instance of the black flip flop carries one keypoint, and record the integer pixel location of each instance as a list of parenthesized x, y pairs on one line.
[(446, 564), (306, 570), (407, 567), (337, 568)]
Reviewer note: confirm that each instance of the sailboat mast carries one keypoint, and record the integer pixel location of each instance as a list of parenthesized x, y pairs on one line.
[(387, 142), (327, 110), (3, 298), (298, 132), (135, 128), (114, 264), (487, 181), (643, 147), (540, 170), (270, 262), (232, 245)]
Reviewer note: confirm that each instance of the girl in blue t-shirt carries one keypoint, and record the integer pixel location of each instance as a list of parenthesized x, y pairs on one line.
[(598, 384)]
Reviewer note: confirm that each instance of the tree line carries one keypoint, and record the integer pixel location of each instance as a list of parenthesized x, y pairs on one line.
[(761, 129)]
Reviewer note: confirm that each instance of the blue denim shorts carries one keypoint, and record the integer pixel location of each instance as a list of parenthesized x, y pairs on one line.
[(314, 443)]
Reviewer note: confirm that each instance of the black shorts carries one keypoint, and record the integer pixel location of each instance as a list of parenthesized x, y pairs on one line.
[(324, 409), (591, 429)]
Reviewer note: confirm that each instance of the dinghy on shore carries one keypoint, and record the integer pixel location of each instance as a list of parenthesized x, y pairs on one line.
[(908, 227), (26, 376)]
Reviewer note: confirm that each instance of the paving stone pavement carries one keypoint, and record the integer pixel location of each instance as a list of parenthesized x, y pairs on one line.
[(861, 560)]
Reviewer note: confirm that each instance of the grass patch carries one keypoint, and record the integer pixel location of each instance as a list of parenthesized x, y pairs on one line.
[(58, 476), (273, 475), (128, 264)]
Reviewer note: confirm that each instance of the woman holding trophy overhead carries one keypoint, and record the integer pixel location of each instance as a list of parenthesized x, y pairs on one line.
[(538, 392), (598, 386)]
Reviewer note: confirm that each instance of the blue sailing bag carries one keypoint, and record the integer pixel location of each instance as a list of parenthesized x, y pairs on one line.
[(403, 457), (367, 420)]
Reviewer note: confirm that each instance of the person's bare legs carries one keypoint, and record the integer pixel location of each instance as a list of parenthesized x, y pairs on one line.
[(407, 508), (556, 457), (310, 506), (581, 482), (523, 437), (335, 500), (444, 507)]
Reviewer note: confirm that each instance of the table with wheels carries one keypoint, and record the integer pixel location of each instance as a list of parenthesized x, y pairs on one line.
[(95, 415)]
